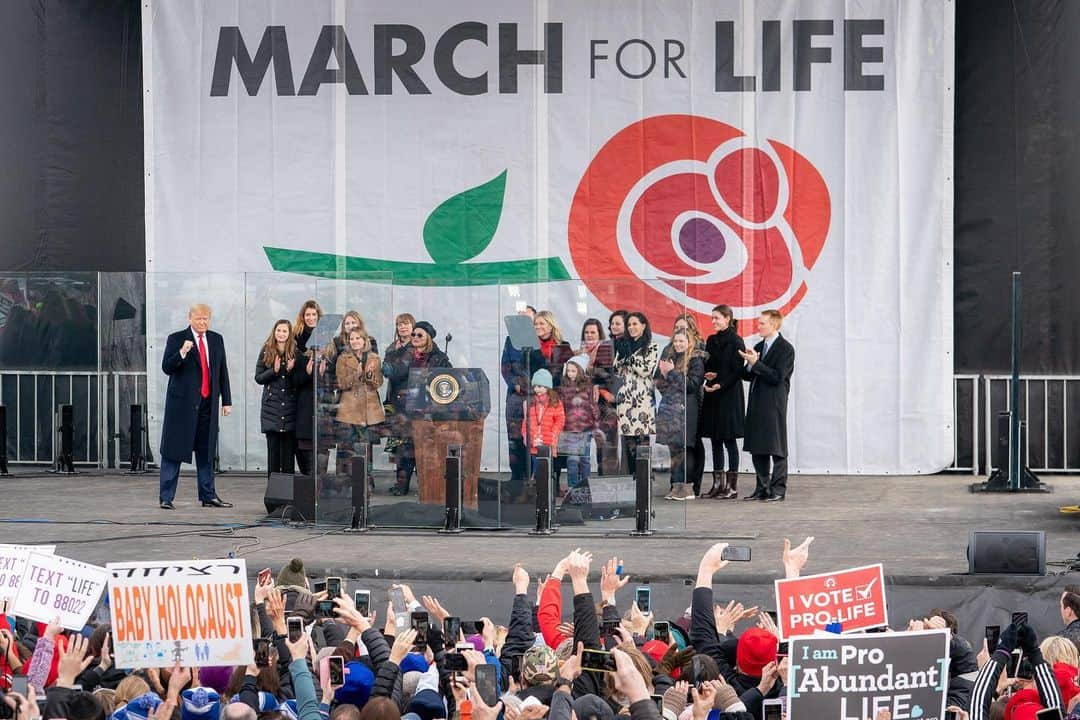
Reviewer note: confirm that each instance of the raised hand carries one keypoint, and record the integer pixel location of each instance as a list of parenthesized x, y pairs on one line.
[(610, 582), (105, 661), (571, 666), (639, 621), (436, 610), (627, 679), (765, 622), (712, 561), (275, 609), (795, 558), (703, 699), (403, 645), (73, 660), (521, 580), (578, 567), (298, 649), (769, 675)]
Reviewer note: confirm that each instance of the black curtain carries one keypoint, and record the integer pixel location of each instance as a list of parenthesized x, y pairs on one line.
[(1017, 182), (71, 140)]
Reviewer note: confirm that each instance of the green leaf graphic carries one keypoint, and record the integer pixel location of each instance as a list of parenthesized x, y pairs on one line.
[(461, 227)]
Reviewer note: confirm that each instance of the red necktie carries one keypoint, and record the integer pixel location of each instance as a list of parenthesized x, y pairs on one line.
[(205, 389)]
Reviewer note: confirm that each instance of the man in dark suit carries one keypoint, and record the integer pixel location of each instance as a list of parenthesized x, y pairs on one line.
[(768, 368), (194, 360)]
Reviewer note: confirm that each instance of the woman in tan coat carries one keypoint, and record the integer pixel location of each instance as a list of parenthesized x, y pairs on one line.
[(359, 377)]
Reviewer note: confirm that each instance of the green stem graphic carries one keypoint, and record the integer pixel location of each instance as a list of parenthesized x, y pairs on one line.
[(346, 267)]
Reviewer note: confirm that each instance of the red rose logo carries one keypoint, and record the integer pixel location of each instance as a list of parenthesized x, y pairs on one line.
[(699, 206)]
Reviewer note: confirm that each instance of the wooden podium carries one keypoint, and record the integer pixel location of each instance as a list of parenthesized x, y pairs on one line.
[(447, 407)]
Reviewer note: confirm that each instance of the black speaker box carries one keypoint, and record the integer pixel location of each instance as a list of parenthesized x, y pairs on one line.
[(1007, 553), (287, 490)]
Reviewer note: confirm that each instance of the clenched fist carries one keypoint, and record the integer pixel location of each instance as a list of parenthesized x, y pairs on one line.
[(186, 348)]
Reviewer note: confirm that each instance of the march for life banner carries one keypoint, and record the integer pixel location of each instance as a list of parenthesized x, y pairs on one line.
[(853, 677), (58, 587), (13, 565), (192, 612), (461, 160), (855, 598)]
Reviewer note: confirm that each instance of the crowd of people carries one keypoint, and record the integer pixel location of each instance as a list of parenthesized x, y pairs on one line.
[(325, 658), (613, 387)]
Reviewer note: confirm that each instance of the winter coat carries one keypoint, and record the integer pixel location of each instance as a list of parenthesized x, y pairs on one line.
[(581, 411), (680, 398), (277, 410), (517, 371), (546, 420), (396, 367), (766, 409), (634, 400), (359, 380), (183, 395), (305, 389), (723, 415)]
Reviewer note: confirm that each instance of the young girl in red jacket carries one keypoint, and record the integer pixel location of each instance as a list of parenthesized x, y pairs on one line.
[(546, 417)]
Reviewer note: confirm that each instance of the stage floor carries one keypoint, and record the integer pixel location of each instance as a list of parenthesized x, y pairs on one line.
[(917, 526)]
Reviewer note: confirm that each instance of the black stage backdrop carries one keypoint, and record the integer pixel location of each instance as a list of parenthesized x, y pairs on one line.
[(71, 193), (71, 138)]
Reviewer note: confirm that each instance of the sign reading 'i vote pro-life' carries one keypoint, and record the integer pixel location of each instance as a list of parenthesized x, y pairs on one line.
[(854, 677), (192, 612), (855, 598)]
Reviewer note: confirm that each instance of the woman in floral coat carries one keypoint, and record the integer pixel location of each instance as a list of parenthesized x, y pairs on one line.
[(636, 356)]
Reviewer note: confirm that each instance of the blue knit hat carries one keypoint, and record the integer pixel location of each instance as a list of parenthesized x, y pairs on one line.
[(428, 705), (138, 708), (200, 703), (543, 378), (414, 662), (358, 683)]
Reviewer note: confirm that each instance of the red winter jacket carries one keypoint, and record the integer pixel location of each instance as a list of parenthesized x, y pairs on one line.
[(549, 613), (546, 421)]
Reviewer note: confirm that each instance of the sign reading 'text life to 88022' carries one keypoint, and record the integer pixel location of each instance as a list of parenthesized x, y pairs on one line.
[(854, 598)]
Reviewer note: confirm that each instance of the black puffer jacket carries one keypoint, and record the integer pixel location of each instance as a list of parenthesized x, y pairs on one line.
[(277, 412)]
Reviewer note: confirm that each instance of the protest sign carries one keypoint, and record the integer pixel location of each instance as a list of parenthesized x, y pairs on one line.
[(853, 677), (192, 612), (12, 566), (53, 586), (854, 598)]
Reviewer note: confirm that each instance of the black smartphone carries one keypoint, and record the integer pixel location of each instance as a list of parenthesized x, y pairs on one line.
[(661, 630), (333, 587), (952, 715), (324, 609), (317, 586), (515, 667), (420, 624), (659, 701), (609, 628), (598, 660), (451, 630), (487, 684), (296, 628), (992, 633), (643, 597), (1019, 618), (455, 662), (362, 601), (782, 650), (736, 553), (772, 711), (1049, 714), (472, 627), (1013, 668), (336, 665), (20, 684), (262, 652)]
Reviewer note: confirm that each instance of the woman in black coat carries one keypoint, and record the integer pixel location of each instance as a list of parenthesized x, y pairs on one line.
[(304, 371), (423, 353), (277, 413), (723, 413), (679, 376)]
